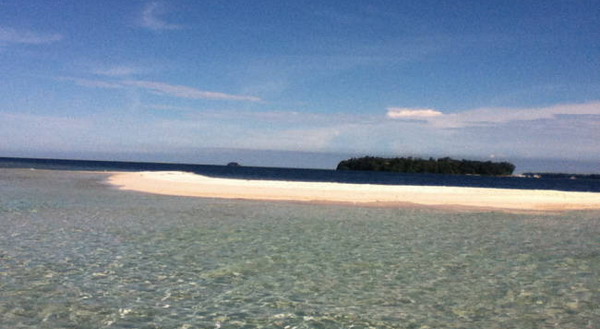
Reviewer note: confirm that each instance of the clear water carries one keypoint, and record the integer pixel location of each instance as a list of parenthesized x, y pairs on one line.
[(75, 253)]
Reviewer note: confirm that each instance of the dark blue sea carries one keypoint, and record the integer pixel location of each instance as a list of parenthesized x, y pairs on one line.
[(313, 175)]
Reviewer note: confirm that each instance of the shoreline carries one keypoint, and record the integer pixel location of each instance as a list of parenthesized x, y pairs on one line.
[(192, 185)]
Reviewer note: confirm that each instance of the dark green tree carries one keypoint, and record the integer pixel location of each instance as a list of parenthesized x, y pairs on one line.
[(417, 165)]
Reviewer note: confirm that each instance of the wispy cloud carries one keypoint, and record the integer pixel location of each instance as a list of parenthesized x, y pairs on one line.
[(10, 35), (162, 89), (186, 92), (151, 17), (164, 107), (494, 116), (92, 83), (117, 71)]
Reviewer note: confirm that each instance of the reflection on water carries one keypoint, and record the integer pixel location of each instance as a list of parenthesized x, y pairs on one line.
[(76, 254)]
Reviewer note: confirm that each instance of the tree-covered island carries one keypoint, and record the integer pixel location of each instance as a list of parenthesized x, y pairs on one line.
[(431, 165)]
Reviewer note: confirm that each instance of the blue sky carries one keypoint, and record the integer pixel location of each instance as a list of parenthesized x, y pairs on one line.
[(201, 80)]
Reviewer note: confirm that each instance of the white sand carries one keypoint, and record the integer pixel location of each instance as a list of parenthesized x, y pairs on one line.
[(188, 184)]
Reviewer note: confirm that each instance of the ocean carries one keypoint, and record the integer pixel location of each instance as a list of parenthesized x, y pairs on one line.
[(313, 175), (77, 253)]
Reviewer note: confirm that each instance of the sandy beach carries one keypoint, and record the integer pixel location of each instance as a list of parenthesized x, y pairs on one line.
[(188, 184)]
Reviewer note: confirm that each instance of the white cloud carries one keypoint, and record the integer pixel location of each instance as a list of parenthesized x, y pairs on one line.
[(494, 116), (151, 17), (408, 113), (10, 35), (186, 92)]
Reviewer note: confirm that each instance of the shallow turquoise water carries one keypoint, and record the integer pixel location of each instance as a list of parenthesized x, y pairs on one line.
[(77, 254)]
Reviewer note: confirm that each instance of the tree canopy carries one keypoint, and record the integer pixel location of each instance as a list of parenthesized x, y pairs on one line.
[(435, 166)]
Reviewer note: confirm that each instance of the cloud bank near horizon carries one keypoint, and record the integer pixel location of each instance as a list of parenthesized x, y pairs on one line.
[(522, 132), (494, 116)]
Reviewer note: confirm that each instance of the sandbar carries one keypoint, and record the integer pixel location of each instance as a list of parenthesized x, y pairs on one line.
[(193, 185)]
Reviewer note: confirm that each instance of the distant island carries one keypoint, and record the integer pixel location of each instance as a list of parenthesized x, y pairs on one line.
[(433, 166), (233, 164)]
